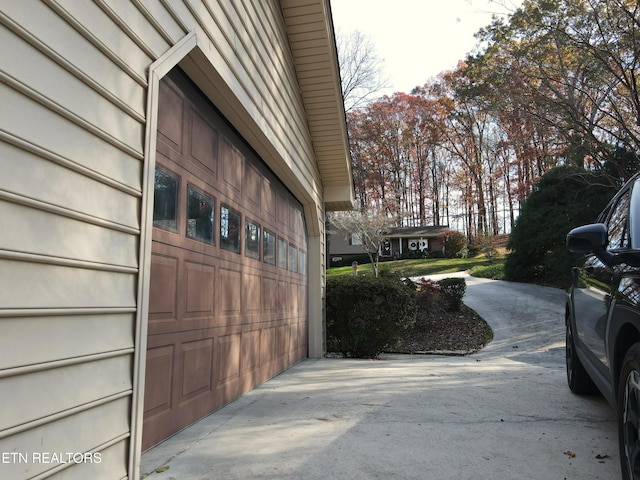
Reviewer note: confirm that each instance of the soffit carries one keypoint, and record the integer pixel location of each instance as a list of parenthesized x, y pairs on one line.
[(311, 37)]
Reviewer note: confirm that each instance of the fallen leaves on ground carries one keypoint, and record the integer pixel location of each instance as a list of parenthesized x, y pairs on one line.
[(438, 330)]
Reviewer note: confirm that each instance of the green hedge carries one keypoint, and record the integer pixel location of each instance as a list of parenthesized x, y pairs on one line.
[(367, 315), (452, 290)]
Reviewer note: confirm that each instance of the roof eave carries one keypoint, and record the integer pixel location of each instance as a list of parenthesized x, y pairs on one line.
[(311, 36)]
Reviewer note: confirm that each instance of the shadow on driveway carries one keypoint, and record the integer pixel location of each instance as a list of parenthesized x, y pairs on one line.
[(502, 413)]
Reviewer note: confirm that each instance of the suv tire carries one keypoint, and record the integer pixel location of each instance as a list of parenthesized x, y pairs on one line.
[(629, 414), (579, 381)]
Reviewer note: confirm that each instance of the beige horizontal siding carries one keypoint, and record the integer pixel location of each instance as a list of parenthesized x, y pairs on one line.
[(103, 33), (26, 115), (33, 21), (112, 466), (88, 427), (43, 178), (133, 22), (100, 244), (27, 340), (71, 143), (155, 14), (27, 284), (55, 84), (97, 379), (73, 84)]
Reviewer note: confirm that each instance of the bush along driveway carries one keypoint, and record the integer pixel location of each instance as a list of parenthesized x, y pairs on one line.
[(502, 413)]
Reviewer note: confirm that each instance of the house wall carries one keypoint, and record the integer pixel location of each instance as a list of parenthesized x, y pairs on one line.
[(339, 247), (76, 149), (434, 244)]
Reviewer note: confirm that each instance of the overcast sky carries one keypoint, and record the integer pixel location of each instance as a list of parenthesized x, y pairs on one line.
[(417, 39)]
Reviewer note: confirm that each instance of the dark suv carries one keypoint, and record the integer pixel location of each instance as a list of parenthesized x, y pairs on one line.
[(603, 316)]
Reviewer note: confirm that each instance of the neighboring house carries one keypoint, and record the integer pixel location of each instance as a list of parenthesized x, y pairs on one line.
[(401, 242), (407, 241), (165, 168)]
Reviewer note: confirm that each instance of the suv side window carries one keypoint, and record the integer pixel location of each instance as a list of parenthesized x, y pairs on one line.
[(618, 225)]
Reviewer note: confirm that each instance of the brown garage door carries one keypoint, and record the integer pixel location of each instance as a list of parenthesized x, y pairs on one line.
[(228, 305)]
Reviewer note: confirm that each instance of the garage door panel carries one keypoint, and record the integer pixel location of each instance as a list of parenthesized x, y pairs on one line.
[(282, 206), (250, 351), (163, 286), (269, 295), (293, 297), (301, 340), (158, 380), (171, 117), (268, 200), (252, 289), (229, 349), (282, 346), (230, 292), (200, 288), (221, 319), (204, 145), (197, 368), (268, 351), (302, 301), (232, 166), (253, 187), (282, 295)]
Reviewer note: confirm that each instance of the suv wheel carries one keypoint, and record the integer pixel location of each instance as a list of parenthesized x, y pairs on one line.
[(577, 377), (629, 414)]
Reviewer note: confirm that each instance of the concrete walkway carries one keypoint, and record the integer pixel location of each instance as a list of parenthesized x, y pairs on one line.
[(503, 413)]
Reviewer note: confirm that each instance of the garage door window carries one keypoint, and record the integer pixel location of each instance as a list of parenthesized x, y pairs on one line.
[(165, 201), (201, 210), (283, 253), (269, 248), (293, 258), (230, 228), (252, 240)]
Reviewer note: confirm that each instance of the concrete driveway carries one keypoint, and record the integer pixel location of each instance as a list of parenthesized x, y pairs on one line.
[(503, 413)]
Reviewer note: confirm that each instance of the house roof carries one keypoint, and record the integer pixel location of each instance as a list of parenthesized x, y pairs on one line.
[(310, 29), (417, 232)]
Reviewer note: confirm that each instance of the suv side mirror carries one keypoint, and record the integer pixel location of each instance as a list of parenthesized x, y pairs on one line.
[(587, 239)]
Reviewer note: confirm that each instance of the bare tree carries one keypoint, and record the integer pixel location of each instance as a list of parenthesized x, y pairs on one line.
[(371, 229), (361, 69)]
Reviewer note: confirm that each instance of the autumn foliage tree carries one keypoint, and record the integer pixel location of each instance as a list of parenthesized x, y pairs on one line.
[(396, 163), (553, 84)]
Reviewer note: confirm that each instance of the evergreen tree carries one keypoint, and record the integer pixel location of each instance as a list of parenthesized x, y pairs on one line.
[(564, 198)]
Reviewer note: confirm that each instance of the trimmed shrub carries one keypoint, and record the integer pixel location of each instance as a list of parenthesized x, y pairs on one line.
[(367, 315), (452, 290)]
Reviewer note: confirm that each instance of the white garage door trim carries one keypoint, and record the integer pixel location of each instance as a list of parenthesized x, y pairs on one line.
[(157, 70)]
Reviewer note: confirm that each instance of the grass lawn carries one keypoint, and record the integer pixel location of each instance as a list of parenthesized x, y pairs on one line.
[(478, 266)]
